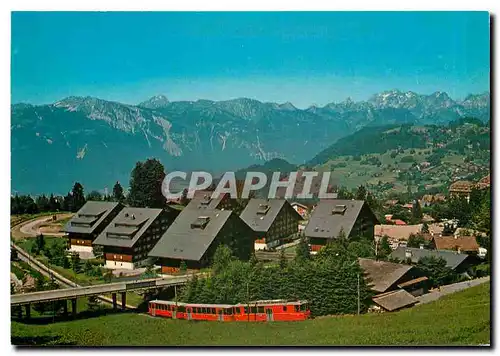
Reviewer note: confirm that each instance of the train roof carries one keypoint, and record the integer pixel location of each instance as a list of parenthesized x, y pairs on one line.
[(252, 303)]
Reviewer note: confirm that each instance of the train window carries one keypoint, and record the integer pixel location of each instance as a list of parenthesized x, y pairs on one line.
[(246, 310), (229, 311), (204, 310), (181, 309), (253, 310), (212, 310), (260, 309), (284, 308), (297, 308)]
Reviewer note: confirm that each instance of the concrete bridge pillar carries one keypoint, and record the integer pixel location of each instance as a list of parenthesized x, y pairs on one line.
[(28, 311), (65, 307), (73, 307), (113, 295), (124, 300)]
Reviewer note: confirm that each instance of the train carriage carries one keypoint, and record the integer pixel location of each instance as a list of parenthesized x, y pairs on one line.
[(261, 310)]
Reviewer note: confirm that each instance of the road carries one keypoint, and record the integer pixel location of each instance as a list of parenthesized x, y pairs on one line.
[(451, 288), (31, 228)]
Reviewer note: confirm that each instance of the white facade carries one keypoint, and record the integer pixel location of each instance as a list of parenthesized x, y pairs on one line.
[(80, 248), (119, 265), (262, 246)]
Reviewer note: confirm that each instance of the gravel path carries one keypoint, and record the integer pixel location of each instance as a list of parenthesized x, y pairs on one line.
[(451, 288)]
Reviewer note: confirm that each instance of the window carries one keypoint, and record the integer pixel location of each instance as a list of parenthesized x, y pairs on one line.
[(181, 309), (284, 308), (297, 308), (260, 309), (213, 311), (246, 310), (229, 311), (253, 310)]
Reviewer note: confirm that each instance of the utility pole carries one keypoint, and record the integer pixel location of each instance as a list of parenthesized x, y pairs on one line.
[(248, 302), (358, 295)]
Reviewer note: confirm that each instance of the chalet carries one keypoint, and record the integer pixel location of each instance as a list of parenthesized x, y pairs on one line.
[(127, 240), (195, 235), (459, 262), (273, 221), (88, 223), (397, 232), (331, 216), (385, 276), (484, 183), (461, 188), (465, 244), (202, 199)]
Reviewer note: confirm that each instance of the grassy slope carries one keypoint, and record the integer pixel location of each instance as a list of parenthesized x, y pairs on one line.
[(459, 319)]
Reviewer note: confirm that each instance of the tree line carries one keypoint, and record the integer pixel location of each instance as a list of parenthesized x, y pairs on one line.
[(145, 191)]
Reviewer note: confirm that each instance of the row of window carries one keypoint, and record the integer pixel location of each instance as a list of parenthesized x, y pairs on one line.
[(226, 311)]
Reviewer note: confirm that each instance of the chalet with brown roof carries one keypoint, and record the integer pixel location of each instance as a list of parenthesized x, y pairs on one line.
[(484, 183), (385, 276), (397, 232), (461, 188), (465, 244)]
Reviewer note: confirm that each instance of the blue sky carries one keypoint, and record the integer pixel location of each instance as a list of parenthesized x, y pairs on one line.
[(304, 58)]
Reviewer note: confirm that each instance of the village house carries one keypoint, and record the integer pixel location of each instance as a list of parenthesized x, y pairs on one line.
[(459, 262), (389, 219), (461, 244), (273, 221), (88, 222), (396, 284), (397, 233), (388, 276), (202, 199), (127, 240), (461, 188), (484, 183), (331, 216), (195, 235)]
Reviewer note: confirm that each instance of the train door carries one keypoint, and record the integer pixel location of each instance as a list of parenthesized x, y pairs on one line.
[(188, 311), (220, 315), (153, 309), (269, 314), (174, 311)]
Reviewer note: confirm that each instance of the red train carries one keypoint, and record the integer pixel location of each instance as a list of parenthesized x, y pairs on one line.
[(262, 310)]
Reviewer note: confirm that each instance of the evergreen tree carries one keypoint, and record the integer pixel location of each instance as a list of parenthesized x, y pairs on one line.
[(425, 228), (302, 252), (94, 196), (221, 259), (183, 266), (40, 243), (75, 262), (384, 248), (54, 204), (77, 197), (282, 261), (42, 203), (118, 193), (416, 211), (145, 184), (88, 268), (416, 241), (361, 193), (437, 272)]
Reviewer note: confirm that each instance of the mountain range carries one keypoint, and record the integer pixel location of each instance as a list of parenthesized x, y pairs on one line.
[(97, 142)]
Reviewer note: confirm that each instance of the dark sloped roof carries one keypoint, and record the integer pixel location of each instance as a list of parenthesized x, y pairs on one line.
[(202, 199), (127, 227), (324, 224), (90, 216), (395, 300), (186, 242), (260, 214), (453, 259), (383, 274)]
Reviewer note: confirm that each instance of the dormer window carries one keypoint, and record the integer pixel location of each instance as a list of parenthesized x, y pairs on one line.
[(339, 210), (200, 223), (263, 209)]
